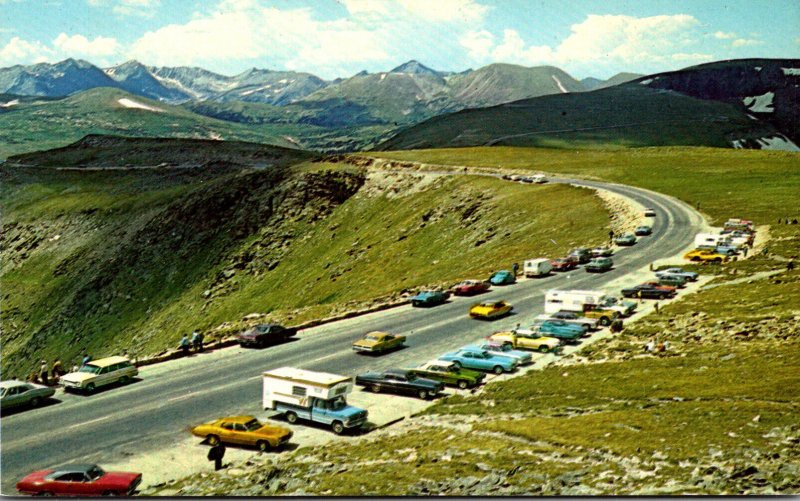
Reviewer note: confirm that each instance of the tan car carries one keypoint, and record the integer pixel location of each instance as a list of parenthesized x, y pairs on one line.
[(378, 342), (526, 340), (97, 373)]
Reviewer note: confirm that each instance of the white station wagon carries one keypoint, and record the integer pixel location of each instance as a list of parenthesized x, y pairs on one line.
[(100, 373)]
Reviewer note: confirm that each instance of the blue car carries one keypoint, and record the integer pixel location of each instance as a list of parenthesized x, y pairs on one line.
[(561, 330), (502, 350), (502, 277), (481, 360), (430, 298)]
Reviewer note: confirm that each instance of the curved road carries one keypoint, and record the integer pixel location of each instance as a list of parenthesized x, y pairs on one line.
[(149, 414)]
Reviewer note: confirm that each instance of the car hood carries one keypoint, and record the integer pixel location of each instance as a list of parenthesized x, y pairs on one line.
[(423, 296), (78, 377)]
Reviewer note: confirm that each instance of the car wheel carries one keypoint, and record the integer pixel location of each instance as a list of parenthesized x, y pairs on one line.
[(604, 321), (110, 493), (463, 384), (337, 427), (543, 349), (90, 387), (291, 417), (212, 439), (423, 394), (498, 369), (457, 365), (415, 303), (124, 380), (35, 401), (46, 494), (263, 446), (375, 388), (717, 261)]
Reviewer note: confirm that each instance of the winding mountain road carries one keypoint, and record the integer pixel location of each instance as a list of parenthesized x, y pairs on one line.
[(153, 412)]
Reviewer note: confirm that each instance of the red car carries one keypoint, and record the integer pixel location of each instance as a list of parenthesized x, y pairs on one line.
[(469, 287), (79, 480), (657, 285), (564, 263)]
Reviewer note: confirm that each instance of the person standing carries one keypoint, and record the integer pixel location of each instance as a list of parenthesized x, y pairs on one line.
[(86, 359), (184, 345), (610, 236), (216, 453), (744, 251), (655, 306), (57, 371), (197, 341), (515, 268), (43, 371)]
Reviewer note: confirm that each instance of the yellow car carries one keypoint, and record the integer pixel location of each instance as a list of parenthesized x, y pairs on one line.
[(243, 430), (526, 340), (378, 342), (490, 309), (706, 256)]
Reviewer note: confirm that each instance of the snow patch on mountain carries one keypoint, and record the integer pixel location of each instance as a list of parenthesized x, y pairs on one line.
[(560, 85), (778, 142), (760, 104), (177, 84), (130, 103), (646, 82), (258, 89), (791, 71), (9, 104)]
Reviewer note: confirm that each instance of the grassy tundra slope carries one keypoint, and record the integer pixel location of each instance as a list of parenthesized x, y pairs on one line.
[(715, 414), (117, 260)]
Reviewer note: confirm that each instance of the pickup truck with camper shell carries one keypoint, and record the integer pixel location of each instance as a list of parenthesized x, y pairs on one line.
[(587, 303), (312, 396)]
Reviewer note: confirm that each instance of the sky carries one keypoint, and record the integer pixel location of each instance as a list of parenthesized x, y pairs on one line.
[(331, 38)]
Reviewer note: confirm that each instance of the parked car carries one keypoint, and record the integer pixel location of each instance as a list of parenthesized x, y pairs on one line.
[(449, 373), (502, 277), (676, 281), (560, 329), (583, 255), (400, 381), (627, 239), (15, 394), (624, 308), (470, 287), (481, 360), (99, 373), (378, 342), (564, 264), (79, 480), (603, 315), (265, 334), (649, 212), (490, 309), (571, 317), (647, 292), (603, 251), (657, 285), (243, 430), (689, 275), (643, 230), (430, 298), (599, 265), (705, 256), (527, 339), (503, 350)]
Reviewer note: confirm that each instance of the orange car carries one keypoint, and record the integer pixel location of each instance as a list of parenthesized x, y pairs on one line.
[(243, 430)]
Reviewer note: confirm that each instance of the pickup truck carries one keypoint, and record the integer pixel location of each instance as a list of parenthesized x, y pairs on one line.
[(604, 316)]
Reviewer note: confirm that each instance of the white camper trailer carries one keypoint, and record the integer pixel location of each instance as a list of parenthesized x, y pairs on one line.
[(709, 239), (570, 300), (537, 267)]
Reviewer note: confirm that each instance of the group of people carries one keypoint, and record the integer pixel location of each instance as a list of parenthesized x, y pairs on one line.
[(50, 376), (196, 342), (654, 346)]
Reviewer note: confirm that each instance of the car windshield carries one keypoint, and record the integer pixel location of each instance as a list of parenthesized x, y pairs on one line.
[(95, 472), (91, 369), (499, 347), (253, 425), (262, 329), (337, 404), (2, 392)]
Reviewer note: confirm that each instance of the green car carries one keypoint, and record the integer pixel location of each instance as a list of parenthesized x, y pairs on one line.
[(626, 239), (672, 280), (449, 373), (599, 265)]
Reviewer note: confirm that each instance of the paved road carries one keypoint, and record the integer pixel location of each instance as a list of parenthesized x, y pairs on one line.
[(153, 412)]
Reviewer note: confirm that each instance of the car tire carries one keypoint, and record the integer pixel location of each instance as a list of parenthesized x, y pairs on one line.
[(457, 364), (107, 494), (124, 380), (498, 369), (375, 388), (46, 494), (337, 427), (423, 394), (291, 417), (36, 401), (212, 439), (415, 303), (604, 321), (463, 384), (90, 388), (263, 446), (543, 349)]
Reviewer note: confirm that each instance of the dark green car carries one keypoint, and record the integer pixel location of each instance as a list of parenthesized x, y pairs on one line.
[(672, 280), (449, 374)]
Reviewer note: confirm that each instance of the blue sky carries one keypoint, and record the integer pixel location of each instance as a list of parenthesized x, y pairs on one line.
[(339, 38)]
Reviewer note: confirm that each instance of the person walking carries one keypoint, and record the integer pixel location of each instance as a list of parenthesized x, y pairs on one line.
[(610, 236), (197, 341), (57, 371), (515, 268), (216, 453), (655, 307), (744, 251), (43, 371), (184, 345)]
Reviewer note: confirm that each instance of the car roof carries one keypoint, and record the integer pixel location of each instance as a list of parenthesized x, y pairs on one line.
[(376, 333), (236, 419), (11, 383), (396, 372), (75, 468), (104, 362)]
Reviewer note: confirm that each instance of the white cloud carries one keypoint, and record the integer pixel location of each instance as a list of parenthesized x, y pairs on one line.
[(724, 36), (19, 51), (79, 45), (445, 10), (745, 42), (124, 8), (477, 43)]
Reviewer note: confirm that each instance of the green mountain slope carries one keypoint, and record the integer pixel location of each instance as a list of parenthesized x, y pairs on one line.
[(626, 116), (42, 124)]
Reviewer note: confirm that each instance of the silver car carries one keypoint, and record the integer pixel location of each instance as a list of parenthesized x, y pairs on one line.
[(21, 394)]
